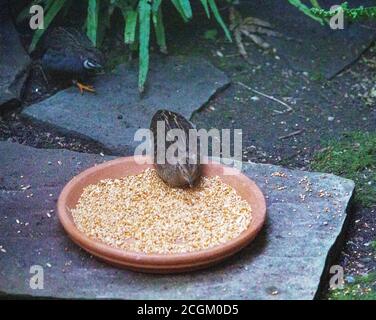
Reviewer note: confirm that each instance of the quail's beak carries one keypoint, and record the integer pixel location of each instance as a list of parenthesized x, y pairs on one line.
[(99, 69), (190, 182)]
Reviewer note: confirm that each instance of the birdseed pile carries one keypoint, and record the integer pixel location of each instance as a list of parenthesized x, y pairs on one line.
[(141, 213)]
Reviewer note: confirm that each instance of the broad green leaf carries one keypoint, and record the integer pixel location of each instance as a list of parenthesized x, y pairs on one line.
[(144, 9), (218, 17), (92, 20), (159, 30), (49, 16), (186, 7), (154, 11), (302, 7), (206, 7), (156, 4), (178, 7), (130, 26)]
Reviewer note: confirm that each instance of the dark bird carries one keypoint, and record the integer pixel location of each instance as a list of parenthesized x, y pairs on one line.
[(187, 171), (68, 54)]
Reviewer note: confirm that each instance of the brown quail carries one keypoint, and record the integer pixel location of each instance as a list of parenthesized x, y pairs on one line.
[(186, 171)]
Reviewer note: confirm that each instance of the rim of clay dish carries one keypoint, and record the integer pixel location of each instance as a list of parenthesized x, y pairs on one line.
[(159, 263)]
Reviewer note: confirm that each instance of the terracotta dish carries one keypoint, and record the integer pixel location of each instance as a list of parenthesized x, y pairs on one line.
[(159, 263)]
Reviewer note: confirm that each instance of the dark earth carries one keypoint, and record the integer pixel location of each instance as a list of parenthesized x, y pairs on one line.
[(321, 109)]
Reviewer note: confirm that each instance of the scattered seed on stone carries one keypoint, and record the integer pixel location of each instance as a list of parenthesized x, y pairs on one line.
[(141, 213), (279, 174)]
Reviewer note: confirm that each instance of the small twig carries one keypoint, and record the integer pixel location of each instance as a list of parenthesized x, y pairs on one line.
[(366, 27), (291, 134), (232, 55), (289, 109), (323, 149)]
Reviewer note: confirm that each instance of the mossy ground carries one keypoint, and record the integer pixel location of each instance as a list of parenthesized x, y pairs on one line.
[(353, 157), (363, 288)]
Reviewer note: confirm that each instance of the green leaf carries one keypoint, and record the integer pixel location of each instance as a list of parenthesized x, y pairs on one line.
[(315, 4), (302, 7), (49, 16), (186, 7), (178, 7), (352, 14), (206, 7), (159, 30), (156, 4), (211, 34), (130, 26), (218, 17), (144, 9), (92, 20)]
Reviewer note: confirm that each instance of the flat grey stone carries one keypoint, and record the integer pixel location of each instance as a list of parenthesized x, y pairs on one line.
[(13, 60), (111, 117), (288, 260)]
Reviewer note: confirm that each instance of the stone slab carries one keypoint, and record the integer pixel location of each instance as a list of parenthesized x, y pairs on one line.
[(313, 48), (306, 214), (13, 60), (111, 117)]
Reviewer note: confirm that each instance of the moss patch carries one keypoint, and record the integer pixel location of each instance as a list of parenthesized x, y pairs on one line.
[(363, 288), (353, 157)]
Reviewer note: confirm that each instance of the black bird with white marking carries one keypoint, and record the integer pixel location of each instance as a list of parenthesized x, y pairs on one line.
[(68, 54)]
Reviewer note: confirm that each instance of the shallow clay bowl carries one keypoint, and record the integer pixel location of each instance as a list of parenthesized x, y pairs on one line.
[(159, 263)]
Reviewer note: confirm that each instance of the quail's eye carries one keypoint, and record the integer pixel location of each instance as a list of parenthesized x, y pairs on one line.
[(90, 64)]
